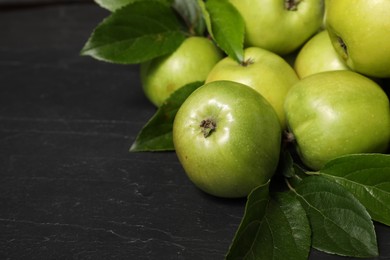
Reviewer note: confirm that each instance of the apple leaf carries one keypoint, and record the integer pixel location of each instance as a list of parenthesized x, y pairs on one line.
[(206, 16), (156, 135), (286, 164), (138, 32), (272, 228), (227, 27), (113, 5), (340, 224), (192, 14), (367, 177), (246, 234), (288, 169)]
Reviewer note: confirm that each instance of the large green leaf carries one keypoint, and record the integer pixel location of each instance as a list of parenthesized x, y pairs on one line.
[(226, 27), (138, 32), (367, 177), (340, 224), (272, 228), (156, 135)]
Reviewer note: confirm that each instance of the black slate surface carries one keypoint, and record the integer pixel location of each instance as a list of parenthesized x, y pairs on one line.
[(69, 188)]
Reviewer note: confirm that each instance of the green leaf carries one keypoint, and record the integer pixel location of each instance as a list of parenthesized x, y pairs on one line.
[(286, 164), (192, 14), (156, 135), (272, 228), (138, 32), (367, 177), (255, 210), (113, 5), (206, 16), (288, 170), (227, 28), (339, 222)]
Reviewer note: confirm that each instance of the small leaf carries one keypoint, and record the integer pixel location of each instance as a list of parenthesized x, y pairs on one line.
[(367, 177), (227, 28), (288, 171), (272, 228), (192, 14), (206, 16), (138, 32), (113, 5), (339, 223), (156, 135), (286, 164)]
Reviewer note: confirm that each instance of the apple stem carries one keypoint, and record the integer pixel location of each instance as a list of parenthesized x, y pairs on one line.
[(208, 126), (288, 137), (291, 5), (247, 62)]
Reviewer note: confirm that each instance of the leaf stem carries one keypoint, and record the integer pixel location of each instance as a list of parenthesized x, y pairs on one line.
[(312, 173), (289, 185)]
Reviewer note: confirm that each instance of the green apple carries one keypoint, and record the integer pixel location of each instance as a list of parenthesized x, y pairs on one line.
[(191, 62), (227, 138), (262, 70), (280, 26), (318, 55), (336, 113), (360, 32)]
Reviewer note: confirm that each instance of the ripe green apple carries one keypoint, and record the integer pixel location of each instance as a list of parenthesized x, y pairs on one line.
[(360, 32), (227, 138), (280, 26), (318, 55), (191, 62), (336, 113), (262, 70)]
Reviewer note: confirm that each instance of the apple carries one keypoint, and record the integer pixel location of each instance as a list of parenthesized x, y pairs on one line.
[(336, 113), (191, 62), (262, 70), (318, 55), (227, 138), (360, 33), (280, 26)]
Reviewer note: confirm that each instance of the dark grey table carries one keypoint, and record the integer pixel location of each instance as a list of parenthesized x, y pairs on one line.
[(69, 188)]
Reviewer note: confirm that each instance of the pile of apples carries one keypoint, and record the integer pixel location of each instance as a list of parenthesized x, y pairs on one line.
[(313, 77), (284, 102)]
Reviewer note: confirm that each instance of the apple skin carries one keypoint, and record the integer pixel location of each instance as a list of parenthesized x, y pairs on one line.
[(270, 25), (318, 55), (360, 33), (266, 72), (191, 62), (336, 113), (242, 151)]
